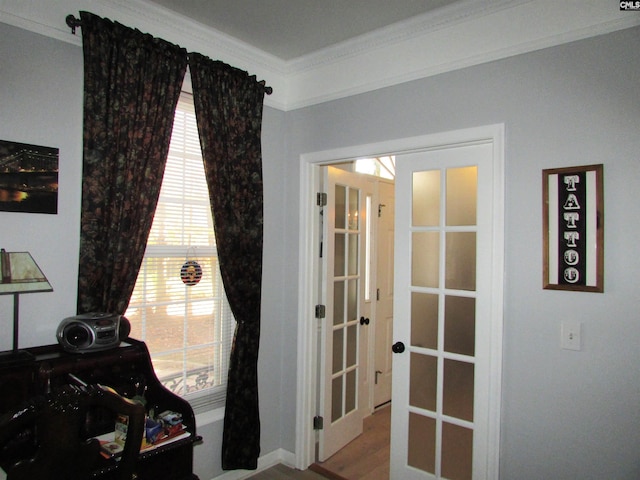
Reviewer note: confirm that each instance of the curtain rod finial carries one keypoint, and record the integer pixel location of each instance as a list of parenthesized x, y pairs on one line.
[(73, 23)]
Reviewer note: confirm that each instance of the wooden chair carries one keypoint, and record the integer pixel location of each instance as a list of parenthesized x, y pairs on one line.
[(47, 441)]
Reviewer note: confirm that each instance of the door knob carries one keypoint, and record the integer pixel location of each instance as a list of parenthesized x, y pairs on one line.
[(397, 347), (364, 321)]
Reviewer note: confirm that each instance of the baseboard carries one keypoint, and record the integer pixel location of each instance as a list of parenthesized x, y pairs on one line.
[(264, 462)]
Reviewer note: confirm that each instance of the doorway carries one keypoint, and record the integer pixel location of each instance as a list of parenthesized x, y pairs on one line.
[(309, 284)]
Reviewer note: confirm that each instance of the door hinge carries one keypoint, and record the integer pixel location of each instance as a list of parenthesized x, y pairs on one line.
[(380, 205), (321, 199), (318, 423), (377, 294), (321, 311)]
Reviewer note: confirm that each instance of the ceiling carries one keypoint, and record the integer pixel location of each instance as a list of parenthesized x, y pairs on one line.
[(316, 51), (289, 29)]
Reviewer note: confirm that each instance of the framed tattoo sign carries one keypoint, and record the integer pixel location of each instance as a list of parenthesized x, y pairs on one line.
[(573, 228)]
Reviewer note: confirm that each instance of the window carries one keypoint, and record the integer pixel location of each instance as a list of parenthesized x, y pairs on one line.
[(384, 167), (188, 329)]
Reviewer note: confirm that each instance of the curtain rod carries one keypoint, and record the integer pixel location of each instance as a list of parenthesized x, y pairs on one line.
[(74, 23)]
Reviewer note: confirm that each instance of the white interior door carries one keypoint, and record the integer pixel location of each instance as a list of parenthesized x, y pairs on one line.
[(443, 314), (383, 318), (344, 378)]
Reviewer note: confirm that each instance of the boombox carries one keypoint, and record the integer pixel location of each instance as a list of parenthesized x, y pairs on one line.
[(91, 332)]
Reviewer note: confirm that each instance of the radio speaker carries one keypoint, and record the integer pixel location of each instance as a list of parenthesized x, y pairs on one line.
[(92, 332)]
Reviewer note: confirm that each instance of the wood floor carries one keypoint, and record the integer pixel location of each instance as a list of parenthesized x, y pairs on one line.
[(365, 458)]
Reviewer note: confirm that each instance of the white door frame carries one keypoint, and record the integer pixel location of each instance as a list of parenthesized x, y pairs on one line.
[(307, 350)]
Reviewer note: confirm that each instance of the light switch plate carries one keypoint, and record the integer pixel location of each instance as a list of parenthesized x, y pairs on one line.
[(571, 335)]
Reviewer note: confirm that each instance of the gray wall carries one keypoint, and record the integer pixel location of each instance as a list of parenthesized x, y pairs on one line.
[(41, 104), (566, 414)]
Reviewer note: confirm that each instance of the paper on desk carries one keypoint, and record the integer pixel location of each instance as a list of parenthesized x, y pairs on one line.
[(109, 437)]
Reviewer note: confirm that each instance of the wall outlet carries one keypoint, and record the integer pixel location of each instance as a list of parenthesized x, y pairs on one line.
[(571, 335)]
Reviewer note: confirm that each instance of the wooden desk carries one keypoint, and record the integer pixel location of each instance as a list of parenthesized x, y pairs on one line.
[(127, 369)]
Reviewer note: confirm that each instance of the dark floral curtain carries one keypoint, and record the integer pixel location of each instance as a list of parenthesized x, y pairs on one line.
[(228, 105), (132, 82)]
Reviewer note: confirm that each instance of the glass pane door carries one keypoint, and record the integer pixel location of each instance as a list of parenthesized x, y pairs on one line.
[(442, 321), (343, 373), (442, 314), (346, 281)]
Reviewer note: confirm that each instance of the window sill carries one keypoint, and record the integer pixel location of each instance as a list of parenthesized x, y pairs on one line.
[(212, 415)]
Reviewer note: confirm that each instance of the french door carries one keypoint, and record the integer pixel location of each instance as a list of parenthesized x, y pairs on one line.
[(443, 318), (344, 378)]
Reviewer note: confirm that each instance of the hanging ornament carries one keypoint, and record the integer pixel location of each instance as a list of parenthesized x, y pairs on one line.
[(191, 272)]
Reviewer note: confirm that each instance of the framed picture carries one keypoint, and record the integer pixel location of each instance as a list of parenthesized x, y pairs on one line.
[(28, 178), (573, 228)]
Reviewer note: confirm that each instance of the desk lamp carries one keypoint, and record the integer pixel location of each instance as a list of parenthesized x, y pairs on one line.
[(20, 274)]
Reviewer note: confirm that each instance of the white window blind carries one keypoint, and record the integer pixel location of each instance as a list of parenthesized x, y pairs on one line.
[(188, 329)]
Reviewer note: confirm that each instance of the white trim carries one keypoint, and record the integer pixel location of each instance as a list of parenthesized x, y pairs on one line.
[(207, 417), (307, 351), (509, 29), (264, 462), (469, 33), (497, 304)]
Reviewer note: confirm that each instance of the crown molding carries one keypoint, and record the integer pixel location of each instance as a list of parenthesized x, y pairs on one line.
[(48, 18), (196, 37), (401, 31), (462, 35), (448, 44)]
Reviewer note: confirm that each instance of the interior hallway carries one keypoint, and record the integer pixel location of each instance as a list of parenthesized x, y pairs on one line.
[(366, 457)]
